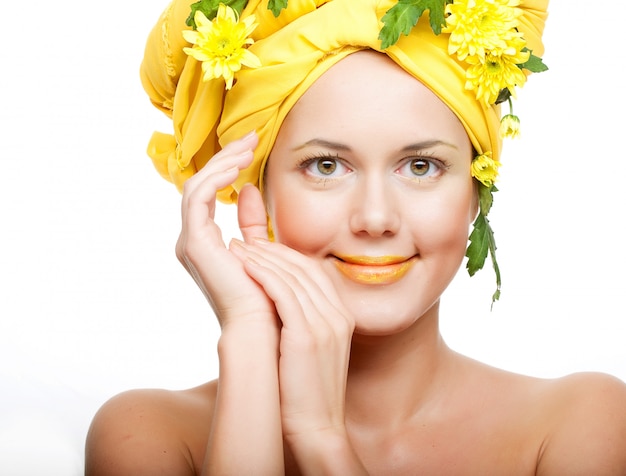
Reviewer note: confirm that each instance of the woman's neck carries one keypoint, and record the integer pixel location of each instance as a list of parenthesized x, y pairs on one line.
[(392, 377)]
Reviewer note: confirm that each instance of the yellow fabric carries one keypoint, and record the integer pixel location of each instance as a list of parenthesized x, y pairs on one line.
[(295, 49)]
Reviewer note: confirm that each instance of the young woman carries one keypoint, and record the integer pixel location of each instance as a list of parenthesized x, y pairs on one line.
[(356, 195)]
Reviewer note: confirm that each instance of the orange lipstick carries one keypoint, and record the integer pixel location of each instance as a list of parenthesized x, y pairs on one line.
[(374, 269)]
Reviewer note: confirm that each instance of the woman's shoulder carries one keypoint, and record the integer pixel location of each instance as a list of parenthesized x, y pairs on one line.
[(586, 433), (591, 400), (560, 395), (138, 431), (574, 424)]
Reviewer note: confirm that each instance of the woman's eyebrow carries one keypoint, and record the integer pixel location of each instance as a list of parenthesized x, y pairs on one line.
[(427, 144), (323, 143)]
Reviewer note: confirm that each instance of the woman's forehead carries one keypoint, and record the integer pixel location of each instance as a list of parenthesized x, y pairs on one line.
[(368, 90)]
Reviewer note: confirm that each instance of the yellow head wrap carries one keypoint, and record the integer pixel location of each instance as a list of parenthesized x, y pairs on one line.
[(295, 48)]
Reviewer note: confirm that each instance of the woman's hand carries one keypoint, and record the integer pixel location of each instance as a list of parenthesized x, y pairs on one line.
[(234, 296), (245, 434), (315, 345)]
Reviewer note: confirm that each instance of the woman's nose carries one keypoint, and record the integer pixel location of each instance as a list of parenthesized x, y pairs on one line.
[(375, 209)]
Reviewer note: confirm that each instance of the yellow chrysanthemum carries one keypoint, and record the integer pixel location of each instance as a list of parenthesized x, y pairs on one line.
[(509, 127), (485, 169), (493, 73), (480, 26), (221, 44)]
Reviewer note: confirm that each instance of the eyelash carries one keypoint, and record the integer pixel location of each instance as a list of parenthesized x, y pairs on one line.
[(306, 162), (429, 158)]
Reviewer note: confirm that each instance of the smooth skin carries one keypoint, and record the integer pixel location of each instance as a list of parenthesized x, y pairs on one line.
[(323, 371)]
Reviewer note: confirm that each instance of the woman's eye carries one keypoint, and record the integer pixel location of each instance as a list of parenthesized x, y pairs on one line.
[(420, 168), (324, 167)]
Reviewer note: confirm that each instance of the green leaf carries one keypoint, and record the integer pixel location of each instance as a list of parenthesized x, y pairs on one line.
[(485, 198), (210, 7), (276, 6), (503, 96), (482, 240), (534, 64), (403, 16), (479, 245)]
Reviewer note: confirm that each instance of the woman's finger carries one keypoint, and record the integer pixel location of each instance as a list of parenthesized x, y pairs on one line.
[(224, 159), (302, 293), (251, 214), (298, 265), (238, 154)]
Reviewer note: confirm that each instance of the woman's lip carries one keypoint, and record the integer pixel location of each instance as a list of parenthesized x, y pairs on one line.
[(374, 269), (372, 260)]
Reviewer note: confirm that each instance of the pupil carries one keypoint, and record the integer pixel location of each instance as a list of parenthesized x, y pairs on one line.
[(419, 167), (326, 167)]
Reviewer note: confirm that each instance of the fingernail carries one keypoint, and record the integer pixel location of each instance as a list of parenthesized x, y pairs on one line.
[(236, 242), (248, 135)]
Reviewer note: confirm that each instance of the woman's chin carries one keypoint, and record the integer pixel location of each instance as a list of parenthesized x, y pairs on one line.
[(382, 318)]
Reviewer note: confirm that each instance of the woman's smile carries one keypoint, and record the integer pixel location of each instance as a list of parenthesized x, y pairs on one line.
[(376, 270)]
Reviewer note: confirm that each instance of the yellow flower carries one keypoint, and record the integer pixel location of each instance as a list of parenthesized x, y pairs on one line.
[(509, 127), (485, 169), (479, 26), (493, 73), (221, 44)]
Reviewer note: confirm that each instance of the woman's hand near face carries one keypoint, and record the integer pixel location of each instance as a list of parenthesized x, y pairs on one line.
[(233, 296), (245, 435), (315, 345)]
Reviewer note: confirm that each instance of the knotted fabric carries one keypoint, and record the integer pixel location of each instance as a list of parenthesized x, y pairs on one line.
[(295, 49)]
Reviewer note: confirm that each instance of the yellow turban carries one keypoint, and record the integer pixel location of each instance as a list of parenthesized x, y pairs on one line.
[(295, 48)]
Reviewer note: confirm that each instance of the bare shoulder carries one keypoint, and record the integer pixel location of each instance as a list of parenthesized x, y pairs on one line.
[(586, 413), (150, 432)]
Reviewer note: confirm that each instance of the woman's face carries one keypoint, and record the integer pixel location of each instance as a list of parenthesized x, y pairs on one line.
[(370, 176)]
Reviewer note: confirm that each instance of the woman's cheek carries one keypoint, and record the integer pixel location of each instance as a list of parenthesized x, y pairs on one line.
[(445, 224), (303, 224)]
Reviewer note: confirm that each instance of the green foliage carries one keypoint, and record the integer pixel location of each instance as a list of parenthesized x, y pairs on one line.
[(403, 16), (276, 6), (503, 96), (485, 198), (210, 7), (479, 245), (534, 64), (482, 241)]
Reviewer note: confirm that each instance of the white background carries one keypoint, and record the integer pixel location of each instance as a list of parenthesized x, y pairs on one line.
[(93, 301)]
